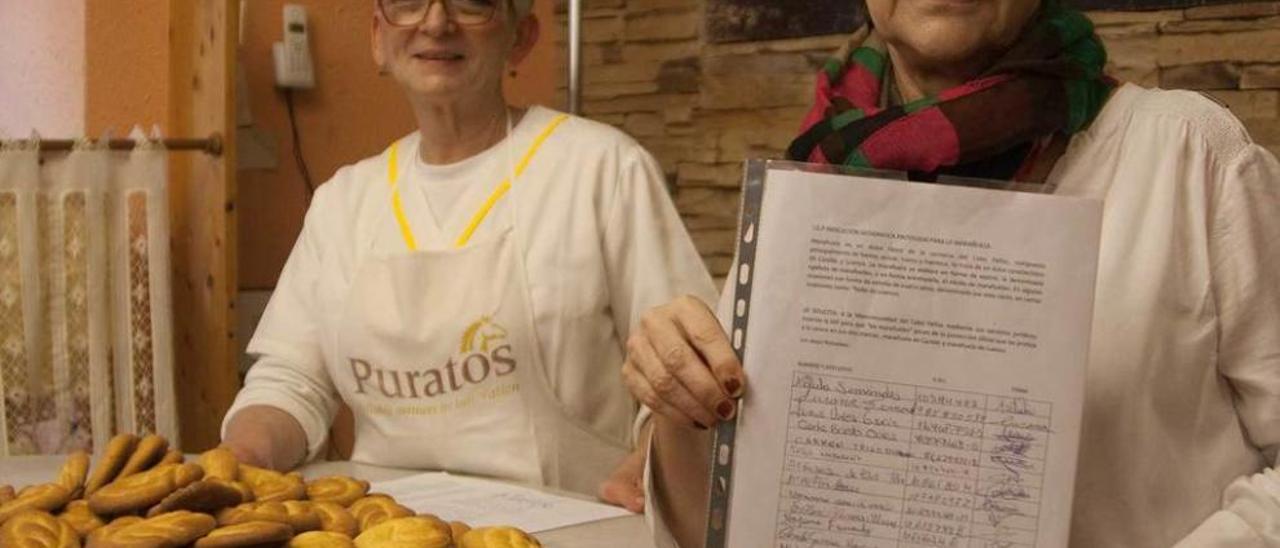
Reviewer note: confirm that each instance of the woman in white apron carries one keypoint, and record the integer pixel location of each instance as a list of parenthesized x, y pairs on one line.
[(467, 291)]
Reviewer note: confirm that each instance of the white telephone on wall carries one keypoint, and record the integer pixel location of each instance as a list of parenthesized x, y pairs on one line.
[(293, 55)]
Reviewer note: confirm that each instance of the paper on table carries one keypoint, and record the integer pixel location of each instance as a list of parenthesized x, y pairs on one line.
[(916, 356), (483, 503)]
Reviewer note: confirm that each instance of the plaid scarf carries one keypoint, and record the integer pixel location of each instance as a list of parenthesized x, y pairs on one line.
[(1050, 82)]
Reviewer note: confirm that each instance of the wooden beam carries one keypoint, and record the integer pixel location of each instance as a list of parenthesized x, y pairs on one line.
[(202, 36)]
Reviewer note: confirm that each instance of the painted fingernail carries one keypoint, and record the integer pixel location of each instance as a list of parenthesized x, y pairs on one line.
[(731, 386), (725, 410)]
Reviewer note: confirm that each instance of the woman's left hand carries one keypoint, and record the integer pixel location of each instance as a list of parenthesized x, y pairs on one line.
[(625, 486)]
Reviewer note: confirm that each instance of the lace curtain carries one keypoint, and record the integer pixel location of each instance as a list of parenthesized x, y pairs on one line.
[(85, 314)]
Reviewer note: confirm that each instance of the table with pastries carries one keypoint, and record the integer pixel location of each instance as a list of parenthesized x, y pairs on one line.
[(624, 532)]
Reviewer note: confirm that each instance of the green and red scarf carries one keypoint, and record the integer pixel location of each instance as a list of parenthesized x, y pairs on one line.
[(1050, 82)]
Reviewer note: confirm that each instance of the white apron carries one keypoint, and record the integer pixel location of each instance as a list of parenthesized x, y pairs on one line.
[(440, 364)]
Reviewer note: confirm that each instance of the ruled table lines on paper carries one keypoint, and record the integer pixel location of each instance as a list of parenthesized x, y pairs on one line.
[(880, 464)]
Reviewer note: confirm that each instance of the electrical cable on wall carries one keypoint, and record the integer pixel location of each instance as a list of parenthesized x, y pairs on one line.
[(297, 144)]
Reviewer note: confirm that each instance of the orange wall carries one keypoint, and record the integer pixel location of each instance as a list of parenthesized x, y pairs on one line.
[(126, 65), (351, 114)]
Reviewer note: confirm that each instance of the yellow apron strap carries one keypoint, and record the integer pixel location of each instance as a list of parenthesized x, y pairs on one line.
[(476, 220), (505, 185), (393, 178)]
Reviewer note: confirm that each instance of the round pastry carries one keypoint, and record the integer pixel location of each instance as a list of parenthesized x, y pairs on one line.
[(410, 532), (206, 496), (78, 515), (49, 497), (143, 490), (113, 459), (497, 537), (242, 535), (336, 519), (36, 529), (166, 530), (299, 515), (321, 539), (337, 489), (375, 509), (148, 452), (269, 485), (220, 463), (73, 473)]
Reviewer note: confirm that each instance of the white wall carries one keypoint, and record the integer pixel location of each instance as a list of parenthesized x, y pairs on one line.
[(42, 72)]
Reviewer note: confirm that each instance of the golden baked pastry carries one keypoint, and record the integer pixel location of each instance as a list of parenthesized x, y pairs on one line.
[(220, 463), (49, 497), (336, 519), (337, 489), (148, 452), (143, 490), (36, 529), (375, 509), (497, 537), (7, 494), (242, 535), (113, 459), (321, 539), (299, 515), (206, 496), (458, 529), (73, 473), (269, 485), (410, 532), (78, 515), (246, 494), (119, 523), (174, 456), (170, 530)]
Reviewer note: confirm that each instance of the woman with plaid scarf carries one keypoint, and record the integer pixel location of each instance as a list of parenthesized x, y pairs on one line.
[(1182, 403)]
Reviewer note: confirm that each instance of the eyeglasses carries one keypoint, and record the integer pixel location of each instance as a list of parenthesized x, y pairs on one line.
[(411, 13)]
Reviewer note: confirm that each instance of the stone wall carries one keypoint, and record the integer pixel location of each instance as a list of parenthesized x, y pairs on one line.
[(702, 108)]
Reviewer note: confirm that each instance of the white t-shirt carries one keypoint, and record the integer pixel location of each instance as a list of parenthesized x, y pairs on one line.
[(601, 240), (1183, 389)]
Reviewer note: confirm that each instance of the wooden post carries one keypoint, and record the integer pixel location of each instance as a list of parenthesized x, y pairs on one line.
[(202, 35)]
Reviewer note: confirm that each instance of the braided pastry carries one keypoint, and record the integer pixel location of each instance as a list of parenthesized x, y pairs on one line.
[(36, 529), (141, 491), (149, 451), (96, 535), (269, 485), (49, 497), (164, 531), (337, 489), (497, 537), (174, 456), (81, 518), (321, 539), (220, 463), (410, 532), (7, 494), (458, 529), (252, 533), (206, 496), (299, 515), (113, 459), (336, 519), (73, 473), (375, 509)]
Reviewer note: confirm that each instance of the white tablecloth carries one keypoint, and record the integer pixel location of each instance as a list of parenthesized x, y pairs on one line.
[(628, 532)]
